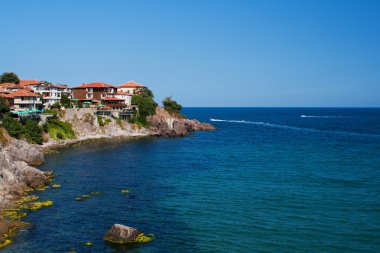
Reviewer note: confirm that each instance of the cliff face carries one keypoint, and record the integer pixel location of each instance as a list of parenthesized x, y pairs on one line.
[(16, 176), (86, 126), (165, 124)]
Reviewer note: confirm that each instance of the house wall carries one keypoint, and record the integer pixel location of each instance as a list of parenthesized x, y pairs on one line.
[(97, 93), (127, 98), (128, 90), (79, 93), (24, 103)]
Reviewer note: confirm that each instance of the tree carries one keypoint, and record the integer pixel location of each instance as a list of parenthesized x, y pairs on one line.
[(33, 132), (13, 127), (144, 92), (4, 107), (171, 106), (56, 105), (9, 77), (65, 101), (146, 105)]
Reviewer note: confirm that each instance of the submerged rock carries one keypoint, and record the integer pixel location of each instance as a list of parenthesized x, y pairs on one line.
[(123, 234)]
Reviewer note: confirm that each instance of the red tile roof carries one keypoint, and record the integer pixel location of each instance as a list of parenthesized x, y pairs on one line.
[(60, 86), (10, 85), (94, 85), (6, 95), (130, 84), (24, 93), (112, 99), (29, 82)]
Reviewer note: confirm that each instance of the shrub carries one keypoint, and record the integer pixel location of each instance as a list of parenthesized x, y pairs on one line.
[(118, 121), (59, 130), (65, 101), (56, 105), (45, 127), (100, 121), (4, 107), (13, 127), (171, 106), (33, 132)]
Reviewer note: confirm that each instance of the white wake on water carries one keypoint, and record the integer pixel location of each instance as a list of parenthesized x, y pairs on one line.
[(260, 123), (317, 116)]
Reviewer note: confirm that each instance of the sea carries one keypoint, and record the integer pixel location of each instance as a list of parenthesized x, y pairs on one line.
[(267, 180)]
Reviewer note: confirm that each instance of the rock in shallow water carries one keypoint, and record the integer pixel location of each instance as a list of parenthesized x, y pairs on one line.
[(124, 234)]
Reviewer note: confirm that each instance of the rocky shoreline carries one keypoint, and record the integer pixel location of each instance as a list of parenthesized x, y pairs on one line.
[(18, 177)]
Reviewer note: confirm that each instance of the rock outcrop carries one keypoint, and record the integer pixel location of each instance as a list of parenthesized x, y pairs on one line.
[(122, 234), (16, 176), (20, 150), (165, 124)]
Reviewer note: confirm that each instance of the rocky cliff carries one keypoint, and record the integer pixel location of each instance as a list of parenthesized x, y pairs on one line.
[(87, 126), (166, 124), (16, 176)]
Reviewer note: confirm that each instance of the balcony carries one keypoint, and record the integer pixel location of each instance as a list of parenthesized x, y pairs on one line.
[(26, 102)]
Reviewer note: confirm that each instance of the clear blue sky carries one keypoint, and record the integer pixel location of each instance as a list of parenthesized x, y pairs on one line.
[(203, 52)]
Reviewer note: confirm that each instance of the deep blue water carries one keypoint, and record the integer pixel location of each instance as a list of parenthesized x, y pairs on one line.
[(268, 180)]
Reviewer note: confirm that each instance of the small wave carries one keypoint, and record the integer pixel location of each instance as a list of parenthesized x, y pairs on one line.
[(318, 116), (260, 123)]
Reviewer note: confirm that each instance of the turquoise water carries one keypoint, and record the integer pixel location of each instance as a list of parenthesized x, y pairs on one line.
[(268, 180)]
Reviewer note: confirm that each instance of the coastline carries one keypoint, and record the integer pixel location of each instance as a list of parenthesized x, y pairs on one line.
[(17, 158)]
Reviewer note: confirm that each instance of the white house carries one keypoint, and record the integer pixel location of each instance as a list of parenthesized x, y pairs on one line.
[(127, 97), (26, 100), (130, 87)]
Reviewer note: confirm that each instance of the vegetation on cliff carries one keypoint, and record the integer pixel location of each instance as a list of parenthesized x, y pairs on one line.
[(59, 130), (30, 130), (172, 106), (146, 106)]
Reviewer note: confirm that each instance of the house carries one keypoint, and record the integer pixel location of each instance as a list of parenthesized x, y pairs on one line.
[(26, 100), (8, 98), (130, 87), (64, 89), (113, 103), (10, 86), (50, 93), (93, 92), (127, 97)]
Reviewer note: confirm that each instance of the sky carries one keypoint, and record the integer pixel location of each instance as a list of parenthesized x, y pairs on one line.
[(202, 52)]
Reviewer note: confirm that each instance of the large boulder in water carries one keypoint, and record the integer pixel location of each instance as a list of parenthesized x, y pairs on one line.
[(124, 234)]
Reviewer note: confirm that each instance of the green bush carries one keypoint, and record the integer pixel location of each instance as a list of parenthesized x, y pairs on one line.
[(56, 105), (4, 107), (45, 127), (59, 130), (171, 106), (100, 121), (65, 101), (33, 132), (118, 121), (146, 107), (14, 128)]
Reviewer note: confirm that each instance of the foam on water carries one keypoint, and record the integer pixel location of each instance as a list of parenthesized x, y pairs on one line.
[(318, 116), (260, 123)]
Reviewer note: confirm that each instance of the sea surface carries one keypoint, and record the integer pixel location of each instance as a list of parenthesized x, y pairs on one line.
[(267, 180)]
